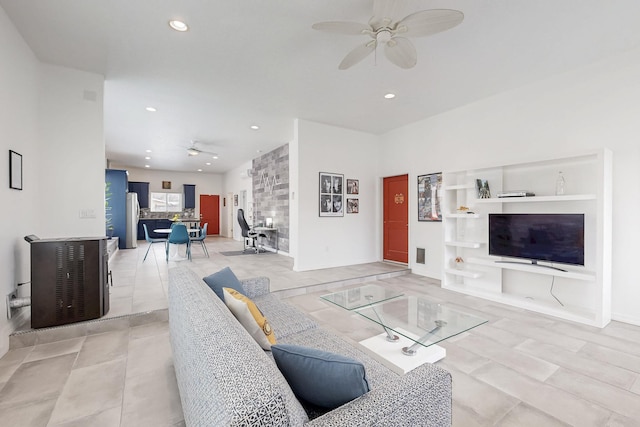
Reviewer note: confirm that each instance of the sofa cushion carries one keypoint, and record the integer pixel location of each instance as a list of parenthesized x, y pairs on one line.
[(223, 279), (250, 317), (324, 379)]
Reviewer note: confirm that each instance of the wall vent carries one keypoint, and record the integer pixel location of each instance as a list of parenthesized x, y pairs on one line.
[(420, 255)]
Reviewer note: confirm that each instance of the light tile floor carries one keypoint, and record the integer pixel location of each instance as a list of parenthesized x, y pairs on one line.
[(520, 369)]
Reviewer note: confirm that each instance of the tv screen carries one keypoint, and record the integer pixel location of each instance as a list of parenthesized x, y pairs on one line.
[(538, 237)]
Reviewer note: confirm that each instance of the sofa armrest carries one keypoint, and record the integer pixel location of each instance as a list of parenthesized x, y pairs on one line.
[(422, 397), (255, 286)]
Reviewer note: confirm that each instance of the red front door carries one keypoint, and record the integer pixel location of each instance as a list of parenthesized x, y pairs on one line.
[(396, 218), (210, 212)]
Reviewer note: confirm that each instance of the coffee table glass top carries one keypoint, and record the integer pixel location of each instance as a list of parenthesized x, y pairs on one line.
[(422, 321), (350, 299)]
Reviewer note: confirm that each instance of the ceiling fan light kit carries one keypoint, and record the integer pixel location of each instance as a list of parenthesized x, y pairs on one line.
[(385, 30)]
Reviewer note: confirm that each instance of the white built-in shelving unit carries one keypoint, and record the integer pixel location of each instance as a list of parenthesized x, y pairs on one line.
[(584, 291)]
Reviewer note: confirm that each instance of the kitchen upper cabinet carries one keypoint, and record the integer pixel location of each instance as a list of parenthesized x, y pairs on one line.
[(142, 188), (189, 196)]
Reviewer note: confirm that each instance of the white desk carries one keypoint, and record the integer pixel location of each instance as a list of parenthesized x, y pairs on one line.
[(270, 230)]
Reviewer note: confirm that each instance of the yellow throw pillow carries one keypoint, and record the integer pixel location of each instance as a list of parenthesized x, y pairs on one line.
[(250, 317)]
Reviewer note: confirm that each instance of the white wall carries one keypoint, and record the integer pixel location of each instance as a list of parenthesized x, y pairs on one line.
[(589, 108), (46, 118), (19, 132), (206, 183), (334, 241), (236, 181), (71, 152)]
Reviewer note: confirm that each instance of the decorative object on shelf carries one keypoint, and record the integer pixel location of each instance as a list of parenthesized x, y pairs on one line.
[(458, 262), (331, 194), (560, 184), (353, 186), (462, 209), (353, 206), (166, 185), (15, 170), (483, 189), (429, 197)]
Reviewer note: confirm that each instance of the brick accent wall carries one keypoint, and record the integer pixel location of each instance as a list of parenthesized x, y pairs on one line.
[(271, 194)]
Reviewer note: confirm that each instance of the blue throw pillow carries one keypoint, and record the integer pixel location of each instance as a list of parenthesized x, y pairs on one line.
[(223, 279), (321, 378)]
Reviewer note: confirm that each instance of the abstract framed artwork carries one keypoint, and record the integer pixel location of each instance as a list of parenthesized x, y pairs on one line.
[(15, 170), (331, 194), (429, 197)]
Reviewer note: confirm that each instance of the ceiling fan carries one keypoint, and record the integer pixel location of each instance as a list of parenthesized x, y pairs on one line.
[(385, 29), (194, 150)]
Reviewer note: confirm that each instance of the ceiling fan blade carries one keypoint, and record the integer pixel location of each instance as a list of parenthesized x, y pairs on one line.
[(401, 52), (427, 22), (349, 28), (385, 12), (357, 55)]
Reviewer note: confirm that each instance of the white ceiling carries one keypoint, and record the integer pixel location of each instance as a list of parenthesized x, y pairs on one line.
[(247, 62)]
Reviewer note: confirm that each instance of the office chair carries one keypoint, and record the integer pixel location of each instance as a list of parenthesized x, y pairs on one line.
[(179, 236), (201, 237), (248, 233), (150, 240)]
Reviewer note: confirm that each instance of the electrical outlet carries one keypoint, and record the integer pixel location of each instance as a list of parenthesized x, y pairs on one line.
[(12, 295)]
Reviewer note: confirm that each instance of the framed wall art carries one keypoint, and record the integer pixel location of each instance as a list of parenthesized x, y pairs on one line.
[(353, 206), (353, 186), (429, 197), (331, 194), (15, 170)]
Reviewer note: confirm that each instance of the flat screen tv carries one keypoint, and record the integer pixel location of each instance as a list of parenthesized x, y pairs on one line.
[(538, 237)]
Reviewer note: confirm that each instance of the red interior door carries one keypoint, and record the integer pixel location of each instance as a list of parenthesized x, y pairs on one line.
[(210, 212), (396, 218)]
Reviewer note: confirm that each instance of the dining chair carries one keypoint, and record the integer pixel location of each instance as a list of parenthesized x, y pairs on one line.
[(179, 236), (201, 237), (151, 240)]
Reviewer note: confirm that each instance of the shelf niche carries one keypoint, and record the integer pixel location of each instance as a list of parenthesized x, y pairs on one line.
[(585, 291)]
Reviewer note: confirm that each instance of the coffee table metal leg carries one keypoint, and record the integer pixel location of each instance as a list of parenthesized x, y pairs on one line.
[(390, 337), (413, 350)]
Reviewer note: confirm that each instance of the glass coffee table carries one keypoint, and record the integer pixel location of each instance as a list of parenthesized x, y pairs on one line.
[(413, 326), (354, 298)]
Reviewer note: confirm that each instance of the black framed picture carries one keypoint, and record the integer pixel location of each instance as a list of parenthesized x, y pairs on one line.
[(15, 170), (429, 197), (331, 194), (353, 206), (353, 186)]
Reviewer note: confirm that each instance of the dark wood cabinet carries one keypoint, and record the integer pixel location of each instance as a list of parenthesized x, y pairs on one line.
[(189, 196), (68, 280)]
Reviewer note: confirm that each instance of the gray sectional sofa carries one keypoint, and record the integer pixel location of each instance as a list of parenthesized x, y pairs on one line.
[(226, 379)]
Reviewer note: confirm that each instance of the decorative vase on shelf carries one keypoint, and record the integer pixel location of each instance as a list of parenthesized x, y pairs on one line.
[(560, 184)]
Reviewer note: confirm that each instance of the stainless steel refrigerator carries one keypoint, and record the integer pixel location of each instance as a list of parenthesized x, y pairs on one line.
[(133, 215)]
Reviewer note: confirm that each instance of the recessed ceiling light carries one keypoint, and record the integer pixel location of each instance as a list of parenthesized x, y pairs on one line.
[(147, 158), (215, 157), (148, 151), (178, 25), (258, 151), (151, 109), (390, 96), (255, 127), (208, 163), (147, 166), (199, 170)]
